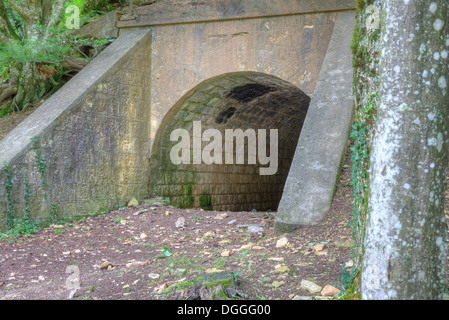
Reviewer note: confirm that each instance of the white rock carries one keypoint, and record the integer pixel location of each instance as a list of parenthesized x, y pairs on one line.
[(180, 222), (329, 291), (318, 247), (302, 298), (135, 264), (226, 253), (277, 259), (310, 286), (282, 242), (221, 216), (349, 264), (255, 229)]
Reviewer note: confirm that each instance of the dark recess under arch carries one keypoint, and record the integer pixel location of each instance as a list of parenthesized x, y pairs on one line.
[(242, 100)]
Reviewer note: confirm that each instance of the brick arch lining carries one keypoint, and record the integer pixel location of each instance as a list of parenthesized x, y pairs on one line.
[(242, 100)]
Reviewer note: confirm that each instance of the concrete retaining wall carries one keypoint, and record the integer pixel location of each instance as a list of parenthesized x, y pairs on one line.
[(92, 133), (93, 138)]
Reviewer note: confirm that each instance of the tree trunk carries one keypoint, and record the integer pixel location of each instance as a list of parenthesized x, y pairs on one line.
[(31, 86), (406, 231)]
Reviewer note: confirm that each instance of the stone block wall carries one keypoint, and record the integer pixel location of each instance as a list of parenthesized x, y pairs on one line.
[(242, 100)]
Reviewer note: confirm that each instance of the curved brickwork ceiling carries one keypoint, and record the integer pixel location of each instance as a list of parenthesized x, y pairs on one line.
[(243, 100)]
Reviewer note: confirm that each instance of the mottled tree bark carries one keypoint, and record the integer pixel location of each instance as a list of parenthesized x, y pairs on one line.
[(39, 17), (405, 241)]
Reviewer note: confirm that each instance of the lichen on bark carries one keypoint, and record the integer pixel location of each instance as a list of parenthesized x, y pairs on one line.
[(404, 246), (365, 49)]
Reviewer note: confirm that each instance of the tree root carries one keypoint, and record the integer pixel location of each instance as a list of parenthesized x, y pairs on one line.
[(7, 93)]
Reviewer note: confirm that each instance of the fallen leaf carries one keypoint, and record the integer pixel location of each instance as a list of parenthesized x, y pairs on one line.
[(143, 235), (105, 265), (226, 253), (135, 264), (282, 242), (282, 269), (221, 216), (318, 247), (160, 289), (213, 270), (246, 246), (277, 259)]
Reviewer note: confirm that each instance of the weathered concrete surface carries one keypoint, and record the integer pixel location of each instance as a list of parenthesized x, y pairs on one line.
[(184, 55), (96, 133), (92, 134), (311, 181), (103, 27), (187, 11)]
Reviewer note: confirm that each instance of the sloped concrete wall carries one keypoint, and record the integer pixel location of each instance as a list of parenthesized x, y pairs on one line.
[(93, 134), (315, 167)]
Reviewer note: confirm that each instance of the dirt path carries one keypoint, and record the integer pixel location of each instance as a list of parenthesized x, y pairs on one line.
[(131, 239), (9, 122)]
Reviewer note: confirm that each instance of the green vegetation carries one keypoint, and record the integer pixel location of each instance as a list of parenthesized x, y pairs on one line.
[(11, 210), (40, 162), (185, 199), (27, 197), (364, 47), (54, 214), (38, 52), (206, 201), (165, 253), (23, 226)]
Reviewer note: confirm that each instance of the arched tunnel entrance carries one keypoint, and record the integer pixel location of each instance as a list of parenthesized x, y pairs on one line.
[(210, 171)]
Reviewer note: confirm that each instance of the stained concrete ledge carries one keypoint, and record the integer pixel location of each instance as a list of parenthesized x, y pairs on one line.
[(312, 177), (187, 11), (103, 27)]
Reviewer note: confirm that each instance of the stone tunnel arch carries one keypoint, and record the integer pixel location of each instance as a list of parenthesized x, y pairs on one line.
[(241, 100)]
